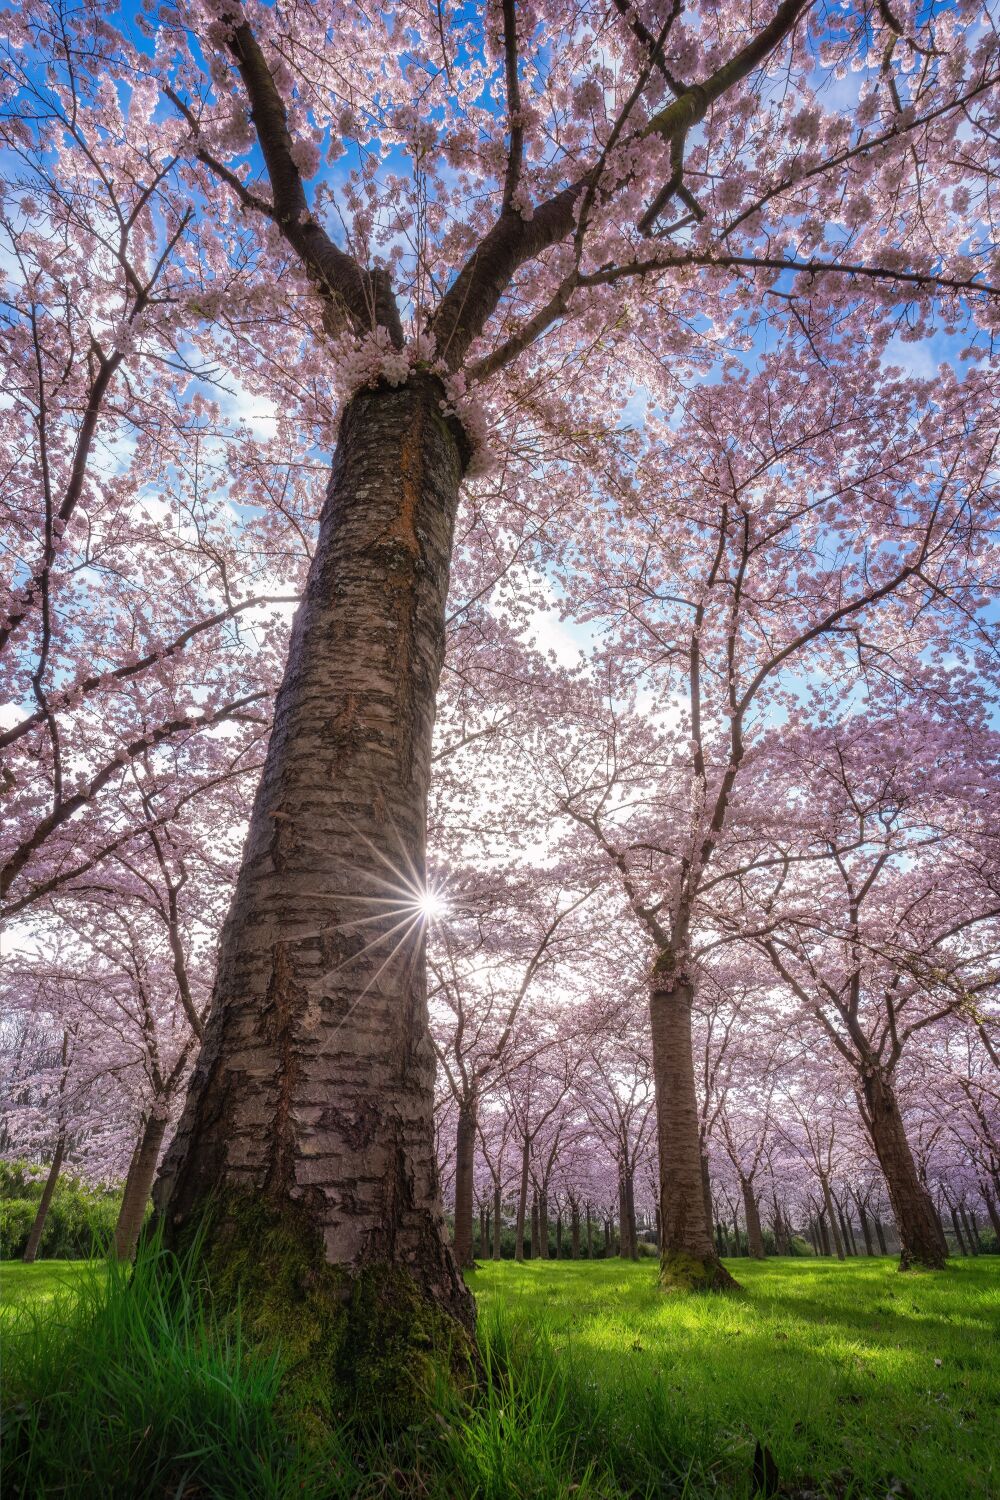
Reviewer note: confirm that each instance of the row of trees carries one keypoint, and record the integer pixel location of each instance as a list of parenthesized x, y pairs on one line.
[(652, 596)]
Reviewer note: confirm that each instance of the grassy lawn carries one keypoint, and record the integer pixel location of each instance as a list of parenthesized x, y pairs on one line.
[(861, 1381), (21, 1284)]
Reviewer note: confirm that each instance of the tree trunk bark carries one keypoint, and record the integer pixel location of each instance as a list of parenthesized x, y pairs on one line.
[(559, 1229), (920, 1239), (486, 1237), (465, 1160), (543, 1224), (880, 1232), (137, 1186), (633, 1233), (994, 1213), (865, 1226), (959, 1238), (824, 1236), (688, 1257), (706, 1185), (44, 1202), (574, 1232), (309, 1116), (846, 1232), (755, 1239), (522, 1200), (536, 1241), (609, 1241), (497, 1225), (590, 1234)]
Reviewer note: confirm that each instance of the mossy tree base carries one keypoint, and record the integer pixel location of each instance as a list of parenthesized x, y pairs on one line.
[(682, 1272), (361, 1344)]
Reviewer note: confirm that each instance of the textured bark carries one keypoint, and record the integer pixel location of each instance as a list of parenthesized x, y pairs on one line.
[(42, 1212), (706, 1184), (543, 1224), (865, 1227), (559, 1235), (755, 1239), (497, 1224), (465, 1157), (590, 1235), (688, 1256), (485, 1240), (609, 1238), (824, 1237), (138, 1183), (313, 1093), (881, 1236), (847, 1232), (536, 1244), (633, 1235), (971, 1229), (921, 1241), (959, 1237), (574, 1232)]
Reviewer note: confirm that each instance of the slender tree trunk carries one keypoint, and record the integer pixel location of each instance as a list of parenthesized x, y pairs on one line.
[(497, 1225), (590, 1234), (465, 1161), (44, 1202), (522, 1199), (823, 1233), (137, 1186), (486, 1233), (559, 1228), (720, 1240), (609, 1243), (706, 1185), (920, 1239), (846, 1231), (482, 1231), (865, 1226), (831, 1218), (633, 1232), (994, 1213), (543, 1224), (309, 1119), (574, 1231), (755, 1239), (958, 1231), (971, 1231), (737, 1247), (536, 1240), (880, 1232), (688, 1258)]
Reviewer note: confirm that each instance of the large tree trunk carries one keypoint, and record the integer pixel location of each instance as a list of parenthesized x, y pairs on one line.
[(755, 1239), (688, 1257), (138, 1183), (308, 1127), (465, 1158), (921, 1241), (522, 1199), (44, 1202)]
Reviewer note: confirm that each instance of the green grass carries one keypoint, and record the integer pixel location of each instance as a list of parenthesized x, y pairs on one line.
[(39, 1283), (597, 1387), (833, 1367)]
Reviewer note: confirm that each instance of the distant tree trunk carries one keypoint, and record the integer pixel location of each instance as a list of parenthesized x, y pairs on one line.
[(138, 1185), (688, 1257), (706, 1185), (847, 1232), (487, 1250), (781, 1246), (958, 1232), (543, 1223), (831, 1218), (720, 1239), (311, 1107), (42, 1212), (465, 1161), (880, 1232), (633, 1233), (522, 1200), (865, 1226), (609, 1243), (574, 1230), (483, 1231), (994, 1213), (737, 1246), (536, 1242), (920, 1240), (590, 1234), (497, 1224), (755, 1239), (824, 1237), (559, 1227), (971, 1229)]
